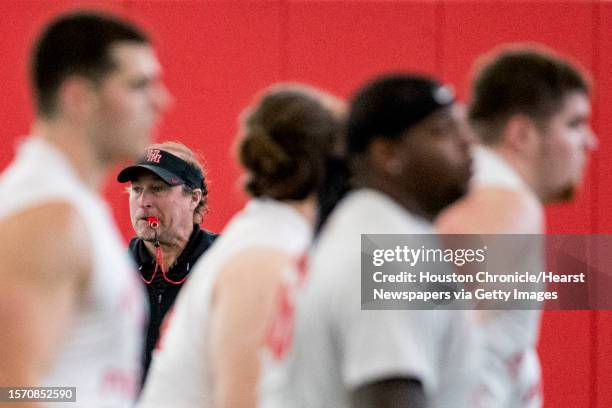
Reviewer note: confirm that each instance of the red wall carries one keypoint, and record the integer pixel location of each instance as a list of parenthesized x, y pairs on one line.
[(217, 54)]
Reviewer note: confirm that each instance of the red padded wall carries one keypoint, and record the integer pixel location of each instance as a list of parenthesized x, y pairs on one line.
[(339, 44), (602, 358), (603, 197)]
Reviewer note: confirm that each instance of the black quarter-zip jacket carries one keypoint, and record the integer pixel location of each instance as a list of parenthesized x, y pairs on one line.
[(162, 294)]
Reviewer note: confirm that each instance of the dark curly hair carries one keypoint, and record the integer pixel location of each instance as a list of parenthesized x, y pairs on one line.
[(287, 139)]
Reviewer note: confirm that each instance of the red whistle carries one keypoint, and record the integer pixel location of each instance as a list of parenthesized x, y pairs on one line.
[(153, 222)]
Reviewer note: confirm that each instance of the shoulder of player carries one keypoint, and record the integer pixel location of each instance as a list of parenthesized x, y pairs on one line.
[(251, 269), (43, 272), (243, 296), (493, 210), (254, 263), (46, 240), (501, 199)]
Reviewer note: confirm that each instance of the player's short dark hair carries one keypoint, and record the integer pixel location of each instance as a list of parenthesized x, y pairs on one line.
[(288, 137), (391, 104), (76, 43), (529, 81)]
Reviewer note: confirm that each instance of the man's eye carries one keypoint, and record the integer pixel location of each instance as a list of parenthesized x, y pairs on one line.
[(157, 189), (576, 123), (136, 190), (139, 83)]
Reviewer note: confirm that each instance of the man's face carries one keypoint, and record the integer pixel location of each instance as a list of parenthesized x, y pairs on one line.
[(436, 159), (130, 101), (565, 143), (150, 196)]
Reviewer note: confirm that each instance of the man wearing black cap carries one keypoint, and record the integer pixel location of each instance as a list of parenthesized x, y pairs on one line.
[(409, 148), (168, 200)]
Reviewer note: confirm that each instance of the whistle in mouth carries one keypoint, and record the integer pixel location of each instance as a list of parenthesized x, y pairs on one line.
[(153, 222)]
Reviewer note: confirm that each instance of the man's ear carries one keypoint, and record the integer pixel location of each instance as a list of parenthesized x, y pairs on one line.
[(384, 157), (196, 196), (521, 134), (76, 97)]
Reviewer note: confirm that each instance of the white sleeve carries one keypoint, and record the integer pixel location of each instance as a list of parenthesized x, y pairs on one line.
[(379, 344)]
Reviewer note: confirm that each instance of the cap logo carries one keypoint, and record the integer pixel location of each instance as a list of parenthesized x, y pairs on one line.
[(153, 156)]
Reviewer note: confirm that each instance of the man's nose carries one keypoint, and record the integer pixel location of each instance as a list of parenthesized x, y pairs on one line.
[(591, 141), (162, 98), (145, 199)]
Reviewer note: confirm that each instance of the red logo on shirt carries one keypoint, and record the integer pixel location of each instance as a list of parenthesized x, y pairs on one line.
[(279, 336), (280, 332), (514, 363), (120, 381), (153, 155)]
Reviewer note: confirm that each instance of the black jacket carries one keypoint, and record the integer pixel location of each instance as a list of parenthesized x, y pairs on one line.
[(161, 293)]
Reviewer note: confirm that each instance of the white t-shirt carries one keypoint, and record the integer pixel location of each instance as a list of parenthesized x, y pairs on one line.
[(511, 369), (101, 356), (326, 346), (180, 373)]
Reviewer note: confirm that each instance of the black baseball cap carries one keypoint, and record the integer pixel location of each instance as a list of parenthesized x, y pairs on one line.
[(391, 104), (171, 169)]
